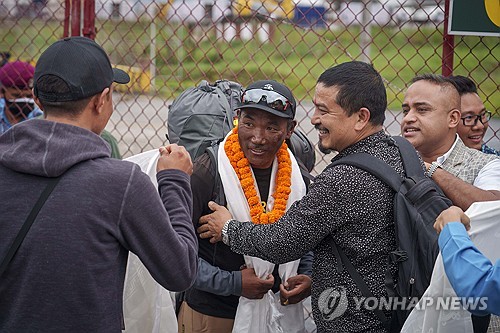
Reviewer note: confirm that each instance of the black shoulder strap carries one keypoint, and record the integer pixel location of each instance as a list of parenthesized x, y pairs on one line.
[(358, 279), (373, 165), (411, 161), (303, 170), (28, 223), (381, 170), (212, 151)]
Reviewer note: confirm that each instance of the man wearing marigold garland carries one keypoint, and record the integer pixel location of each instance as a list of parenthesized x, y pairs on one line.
[(345, 203), (260, 179)]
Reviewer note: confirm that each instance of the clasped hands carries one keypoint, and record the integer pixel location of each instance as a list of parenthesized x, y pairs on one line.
[(294, 290)]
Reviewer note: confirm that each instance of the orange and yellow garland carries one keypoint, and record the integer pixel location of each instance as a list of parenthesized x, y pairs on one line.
[(242, 168)]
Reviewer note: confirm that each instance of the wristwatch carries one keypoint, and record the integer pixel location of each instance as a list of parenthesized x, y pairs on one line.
[(225, 236), (434, 166)]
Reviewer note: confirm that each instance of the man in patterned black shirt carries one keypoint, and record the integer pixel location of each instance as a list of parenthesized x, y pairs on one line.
[(344, 202)]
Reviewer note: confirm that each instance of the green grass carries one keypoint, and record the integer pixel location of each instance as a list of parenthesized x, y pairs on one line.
[(295, 56)]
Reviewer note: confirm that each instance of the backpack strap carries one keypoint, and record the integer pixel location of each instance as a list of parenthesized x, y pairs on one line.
[(373, 165), (28, 223), (220, 197), (223, 88), (411, 160), (303, 170), (412, 163), (358, 279)]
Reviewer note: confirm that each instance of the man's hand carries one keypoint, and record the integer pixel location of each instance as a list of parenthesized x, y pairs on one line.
[(174, 157), (252, 286), (295, 289), (211, 224), (452, 214)]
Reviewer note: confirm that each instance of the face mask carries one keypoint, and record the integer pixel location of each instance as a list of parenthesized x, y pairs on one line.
[(20, 107)]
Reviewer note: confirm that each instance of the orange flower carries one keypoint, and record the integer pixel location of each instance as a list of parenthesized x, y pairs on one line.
[(241, 166)]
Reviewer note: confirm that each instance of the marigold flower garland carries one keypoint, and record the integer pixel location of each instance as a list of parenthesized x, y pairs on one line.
[(242, 168)]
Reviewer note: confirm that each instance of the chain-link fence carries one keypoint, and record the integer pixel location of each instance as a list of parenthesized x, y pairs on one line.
[(170, 45)]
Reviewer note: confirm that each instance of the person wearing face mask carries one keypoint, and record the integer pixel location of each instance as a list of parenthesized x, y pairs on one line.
[(16, 97)]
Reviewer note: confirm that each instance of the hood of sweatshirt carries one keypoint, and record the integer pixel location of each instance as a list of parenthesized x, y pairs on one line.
[(46, 148)]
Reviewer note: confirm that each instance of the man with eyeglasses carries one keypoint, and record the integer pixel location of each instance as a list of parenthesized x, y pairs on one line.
[(475, 117), (260, 179), (16, 97)]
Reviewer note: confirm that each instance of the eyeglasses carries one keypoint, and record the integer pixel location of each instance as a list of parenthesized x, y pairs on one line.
[(471, 120), (272, 99)]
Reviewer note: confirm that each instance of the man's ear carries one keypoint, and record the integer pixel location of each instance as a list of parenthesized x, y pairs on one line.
[(454, 118), (37, 102), (363, 118), (101, 99)]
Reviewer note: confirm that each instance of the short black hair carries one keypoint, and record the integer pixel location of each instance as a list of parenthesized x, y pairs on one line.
[(54, 84), (439, 80), (360, 85), (463, 84), (444, 83)]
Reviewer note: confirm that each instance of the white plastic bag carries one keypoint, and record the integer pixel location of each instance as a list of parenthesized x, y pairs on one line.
[(147, 306), (485, 233)]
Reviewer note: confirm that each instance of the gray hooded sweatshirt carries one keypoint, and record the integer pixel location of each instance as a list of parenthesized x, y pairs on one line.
[(68, 274)]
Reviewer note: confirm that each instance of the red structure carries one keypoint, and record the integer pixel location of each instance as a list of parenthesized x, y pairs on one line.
[(73, 18)]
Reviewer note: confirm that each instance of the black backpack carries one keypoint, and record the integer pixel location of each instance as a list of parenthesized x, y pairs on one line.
[(417, 203)]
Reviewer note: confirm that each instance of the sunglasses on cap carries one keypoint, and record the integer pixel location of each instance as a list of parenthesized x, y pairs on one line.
[(272, 99)]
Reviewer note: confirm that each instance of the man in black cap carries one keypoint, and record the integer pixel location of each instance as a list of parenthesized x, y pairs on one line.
[(83, 211), (260, 179)]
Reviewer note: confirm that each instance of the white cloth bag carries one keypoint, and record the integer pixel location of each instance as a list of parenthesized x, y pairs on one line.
[(266, 315), (485, 233), (147, 306)]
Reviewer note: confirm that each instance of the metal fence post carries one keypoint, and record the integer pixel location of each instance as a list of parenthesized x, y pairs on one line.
[(89, 19), (76, 13), (448, 44)]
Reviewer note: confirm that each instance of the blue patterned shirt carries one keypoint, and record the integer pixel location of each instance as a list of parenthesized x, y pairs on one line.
[(488, 150), (4, 122)]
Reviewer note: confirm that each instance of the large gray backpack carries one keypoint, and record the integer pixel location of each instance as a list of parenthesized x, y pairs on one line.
[(202, 116)]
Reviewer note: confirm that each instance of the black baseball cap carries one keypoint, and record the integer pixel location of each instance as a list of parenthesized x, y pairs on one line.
[(270, 96), (82, 64)]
